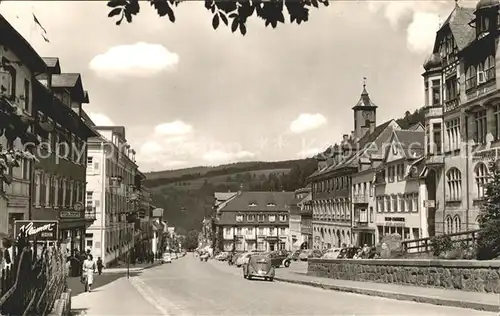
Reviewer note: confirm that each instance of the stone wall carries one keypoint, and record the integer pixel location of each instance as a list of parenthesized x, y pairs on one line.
[(62, 306), (465, 275)]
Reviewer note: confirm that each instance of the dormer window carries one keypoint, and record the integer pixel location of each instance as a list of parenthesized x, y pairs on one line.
[(261, 218), (272, 218), (271, 204), (239, 218), (250, 218), (282, 218), (252, 204)]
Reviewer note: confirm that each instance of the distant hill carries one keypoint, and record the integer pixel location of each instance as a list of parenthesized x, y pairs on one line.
[(187, 195)]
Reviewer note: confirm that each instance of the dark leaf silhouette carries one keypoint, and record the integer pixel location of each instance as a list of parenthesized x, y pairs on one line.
[(271, 12), (114, 12), (223, 18), (234, 25), (215, 22)]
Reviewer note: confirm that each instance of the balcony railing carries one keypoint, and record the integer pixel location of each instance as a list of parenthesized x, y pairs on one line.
[(360, 198), (481, 90), (434, 160)]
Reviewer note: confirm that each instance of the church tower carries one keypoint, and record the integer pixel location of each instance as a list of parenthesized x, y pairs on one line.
[(365, 114)]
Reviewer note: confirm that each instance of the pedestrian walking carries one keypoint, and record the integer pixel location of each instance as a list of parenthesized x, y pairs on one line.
[(99, 265), (88, 272)]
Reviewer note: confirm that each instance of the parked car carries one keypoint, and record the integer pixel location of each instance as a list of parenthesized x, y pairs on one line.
[(348, 253), (295, 255), (166, 258), (258, 266), (243, 259), (315, 254), (279, 258), (331, 253), (222, 256), (304, 254)]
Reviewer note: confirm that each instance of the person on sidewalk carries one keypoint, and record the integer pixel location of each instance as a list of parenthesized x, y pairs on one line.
[(88, 272), (99, 265)]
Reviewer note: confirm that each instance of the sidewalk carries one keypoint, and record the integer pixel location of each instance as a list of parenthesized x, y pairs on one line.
[(473, 300), (120, 297)]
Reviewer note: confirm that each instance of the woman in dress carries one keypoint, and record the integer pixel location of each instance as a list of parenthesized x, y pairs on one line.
[(88, 272)]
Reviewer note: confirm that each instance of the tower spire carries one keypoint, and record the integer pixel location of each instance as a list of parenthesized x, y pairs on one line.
[(364, 93)]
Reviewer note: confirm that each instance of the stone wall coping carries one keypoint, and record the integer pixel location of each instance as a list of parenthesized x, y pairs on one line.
[(415, 263)]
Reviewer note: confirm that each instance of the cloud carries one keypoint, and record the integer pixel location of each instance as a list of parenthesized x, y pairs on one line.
[(173, 128), (139, 60), (306, 122), (309, 152), (100, 119), (220, 156), (420, 20)]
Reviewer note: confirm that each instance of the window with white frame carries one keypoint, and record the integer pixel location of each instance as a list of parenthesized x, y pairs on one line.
[(480, 127), (272, 231), (454, 183), (453, 134), (239, 218), (37, 188), (282, 231), (261, 231), (261, 218), (481, 178), (47, 190), (496, 116), (272, 218), (282, 218), (250, 218), (489, 68)]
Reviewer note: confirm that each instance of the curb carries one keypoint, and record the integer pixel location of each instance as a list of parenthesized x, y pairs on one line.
[(397, 296), (132, 269)]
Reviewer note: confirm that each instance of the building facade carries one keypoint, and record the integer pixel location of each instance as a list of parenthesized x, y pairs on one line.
[(256, 221), (300, 229), (113, 183), (331, 183), (19, 66), (220, 200), (463, 114), (400, 188)]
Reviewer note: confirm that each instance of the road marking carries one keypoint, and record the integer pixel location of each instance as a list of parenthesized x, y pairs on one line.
[(140, 287)]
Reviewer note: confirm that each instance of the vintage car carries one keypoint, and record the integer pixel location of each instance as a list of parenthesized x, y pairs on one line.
[(242, 259), (348, 253), (167, 258), (279, 258), (258, 266), (331, 253)]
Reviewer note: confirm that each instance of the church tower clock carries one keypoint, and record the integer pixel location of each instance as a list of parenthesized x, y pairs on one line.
[(365, 114)]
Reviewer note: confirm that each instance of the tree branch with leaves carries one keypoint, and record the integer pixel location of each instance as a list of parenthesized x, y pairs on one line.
[(233, 14)]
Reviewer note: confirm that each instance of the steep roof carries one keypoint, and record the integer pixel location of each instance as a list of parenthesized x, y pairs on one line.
[(260, 202), (458, 22), (411, 142)]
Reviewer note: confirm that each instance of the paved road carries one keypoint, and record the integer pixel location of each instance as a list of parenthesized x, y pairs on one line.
[(190, 287)]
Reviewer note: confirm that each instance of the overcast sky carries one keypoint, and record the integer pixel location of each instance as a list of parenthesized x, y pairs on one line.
[(189, 95)]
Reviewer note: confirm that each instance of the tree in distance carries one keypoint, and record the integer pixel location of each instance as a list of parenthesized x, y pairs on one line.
[(231, 13)]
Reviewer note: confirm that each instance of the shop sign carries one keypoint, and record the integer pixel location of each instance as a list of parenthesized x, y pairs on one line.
[(74, 213), (39, 230)]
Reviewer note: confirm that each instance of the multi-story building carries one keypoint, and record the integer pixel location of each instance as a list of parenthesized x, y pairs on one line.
[(299, 236), (19, 64), (256, 221), (400, 188), (331, 183), (306, 223), (58, 188), (113, 190), (220, 199), (463, 114)]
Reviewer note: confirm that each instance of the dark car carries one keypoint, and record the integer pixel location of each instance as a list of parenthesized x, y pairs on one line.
[(279, 258), (348, 253), (259, 266)]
